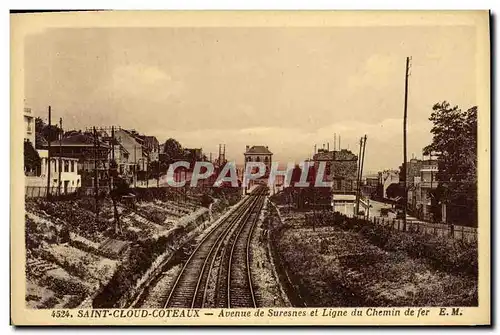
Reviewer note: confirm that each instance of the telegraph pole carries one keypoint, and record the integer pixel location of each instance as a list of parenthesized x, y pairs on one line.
[(147, 170), (357, 176), (361, 173), (49, 156), (96, 186), (60, 157), (135, 168), (112, 160), (405, 116)]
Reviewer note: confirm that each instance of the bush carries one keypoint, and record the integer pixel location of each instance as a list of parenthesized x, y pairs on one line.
[(141, 256), (443, 253)]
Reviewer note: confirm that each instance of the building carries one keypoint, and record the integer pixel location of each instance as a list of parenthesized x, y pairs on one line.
[(341, 169), (259, 153), (29, 126), (152, 145), (118, 153), (70, 178), (421, 185), (31, 156), (370, 186), (86, 154), (137, 153), (386, 179)]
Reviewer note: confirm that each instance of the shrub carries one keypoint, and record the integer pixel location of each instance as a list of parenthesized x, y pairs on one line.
[(443, 253)]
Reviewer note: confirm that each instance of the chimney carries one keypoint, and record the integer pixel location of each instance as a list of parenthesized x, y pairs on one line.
[(248, 147)]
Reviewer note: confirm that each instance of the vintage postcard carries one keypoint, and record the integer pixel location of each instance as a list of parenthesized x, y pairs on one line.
[(250, 168)]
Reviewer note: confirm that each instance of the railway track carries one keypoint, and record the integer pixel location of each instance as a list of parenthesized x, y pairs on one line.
[(240, 292), (189, 289)]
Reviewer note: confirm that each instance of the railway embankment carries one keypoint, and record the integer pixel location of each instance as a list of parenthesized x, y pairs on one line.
[(152, 257), (333, 260), (266, 274), (154, 286), (213, 270)]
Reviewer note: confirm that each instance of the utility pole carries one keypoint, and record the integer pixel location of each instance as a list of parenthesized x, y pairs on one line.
[(96, 182), (112, 160), (340, 148), (334, 141), (49, 157), (357, 176), (362, 165), (135, 167), (147, 170), (113, 139), (60, 158), (405, 116)]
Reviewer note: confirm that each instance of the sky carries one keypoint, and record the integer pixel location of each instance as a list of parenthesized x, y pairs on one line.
[(287, 88)]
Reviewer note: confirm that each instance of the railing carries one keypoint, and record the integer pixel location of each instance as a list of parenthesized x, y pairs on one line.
[(463, 233), (41, 191), (437, 229)]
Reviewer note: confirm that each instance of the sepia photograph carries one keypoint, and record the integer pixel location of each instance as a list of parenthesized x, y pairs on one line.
[(215, 170)]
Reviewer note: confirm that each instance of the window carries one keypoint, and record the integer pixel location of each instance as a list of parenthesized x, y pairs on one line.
[(258, 159), (72, 166), (66, 166)]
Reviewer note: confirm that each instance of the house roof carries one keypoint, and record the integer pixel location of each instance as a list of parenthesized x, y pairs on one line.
[(326, 156), (78, 140), (258, 149), (337, 155)]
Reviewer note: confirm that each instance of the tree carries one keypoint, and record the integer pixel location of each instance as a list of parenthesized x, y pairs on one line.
[(39, 125), (455, 144), (173, 151), (48, 133), (394, 191), (120, 188), (32, 160)]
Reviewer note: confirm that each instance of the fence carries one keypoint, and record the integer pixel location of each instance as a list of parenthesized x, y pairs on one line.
[(41, 191), (186, 195), (436, 229), (32, 192), (412, 226)]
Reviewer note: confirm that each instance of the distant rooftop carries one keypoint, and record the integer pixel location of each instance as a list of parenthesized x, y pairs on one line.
[(258, 149), (78, 140)]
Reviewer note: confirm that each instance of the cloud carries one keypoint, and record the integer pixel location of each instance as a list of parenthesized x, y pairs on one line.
[(139, 81), (377, 72), (295, 144)]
